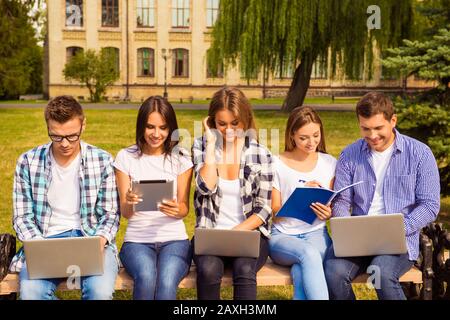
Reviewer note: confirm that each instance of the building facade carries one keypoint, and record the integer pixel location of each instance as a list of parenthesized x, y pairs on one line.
[(160, 48)]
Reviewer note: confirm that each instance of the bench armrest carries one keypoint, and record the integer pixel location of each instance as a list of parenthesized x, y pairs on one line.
[(7, 252)]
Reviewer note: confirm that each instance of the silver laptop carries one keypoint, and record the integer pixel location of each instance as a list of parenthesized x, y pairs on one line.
[(357, 236), (227, 243), (63, 257)]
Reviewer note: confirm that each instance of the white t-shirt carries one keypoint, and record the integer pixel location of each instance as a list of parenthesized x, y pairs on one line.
[(286, 180), (64, 197), (231, 212), (380, 162), (153, 226)]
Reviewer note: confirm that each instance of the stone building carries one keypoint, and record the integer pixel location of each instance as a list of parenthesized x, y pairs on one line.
[(159, 42)]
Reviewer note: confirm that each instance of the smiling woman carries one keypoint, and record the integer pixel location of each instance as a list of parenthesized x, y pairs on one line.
[(156, 251), (233, 185)]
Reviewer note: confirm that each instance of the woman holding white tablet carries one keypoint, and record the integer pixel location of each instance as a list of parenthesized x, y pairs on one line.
[(156, 251)]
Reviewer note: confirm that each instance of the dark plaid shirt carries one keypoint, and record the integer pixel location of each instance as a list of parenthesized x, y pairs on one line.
[(255, 175)]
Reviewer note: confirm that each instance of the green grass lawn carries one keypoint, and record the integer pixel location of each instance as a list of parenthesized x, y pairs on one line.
[(112, 130)]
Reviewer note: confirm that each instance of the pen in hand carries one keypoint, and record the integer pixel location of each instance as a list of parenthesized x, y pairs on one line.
[(310, 183)]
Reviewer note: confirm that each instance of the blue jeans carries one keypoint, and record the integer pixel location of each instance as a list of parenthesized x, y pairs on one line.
[(156, 268), (305, 253), (210, 271), (388, 269), (92, 287)]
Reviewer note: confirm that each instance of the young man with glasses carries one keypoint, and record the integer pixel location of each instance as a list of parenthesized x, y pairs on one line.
[(66, 188)]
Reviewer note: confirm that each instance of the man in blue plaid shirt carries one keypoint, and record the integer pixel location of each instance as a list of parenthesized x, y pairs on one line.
[(66, 188)]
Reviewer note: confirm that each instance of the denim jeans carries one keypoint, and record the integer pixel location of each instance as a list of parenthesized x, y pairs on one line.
[(388, 269), (210, 270), (92, 287), (305, 254), (156, 268)]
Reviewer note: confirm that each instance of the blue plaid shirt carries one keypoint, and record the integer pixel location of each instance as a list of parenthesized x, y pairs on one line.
[(411, 185), (99, 203)]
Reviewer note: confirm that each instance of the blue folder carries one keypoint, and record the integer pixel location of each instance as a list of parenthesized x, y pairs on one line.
[(297, 206)]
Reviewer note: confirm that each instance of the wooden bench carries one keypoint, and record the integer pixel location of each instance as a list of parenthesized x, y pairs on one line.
[(270, 275)]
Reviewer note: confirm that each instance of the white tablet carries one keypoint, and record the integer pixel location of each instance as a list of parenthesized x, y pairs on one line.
[(152, 192)]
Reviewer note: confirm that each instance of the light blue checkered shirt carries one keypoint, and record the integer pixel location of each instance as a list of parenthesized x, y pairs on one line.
[(99, 203), (411, 185)]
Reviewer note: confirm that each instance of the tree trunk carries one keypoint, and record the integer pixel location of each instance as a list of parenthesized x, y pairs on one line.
[(91, 92), (300, 84), (445, 100)]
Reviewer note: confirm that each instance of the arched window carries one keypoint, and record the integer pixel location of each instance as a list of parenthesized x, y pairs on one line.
[(146, 62), (180, 64), (115, 54), (213, 72), (71, 52)]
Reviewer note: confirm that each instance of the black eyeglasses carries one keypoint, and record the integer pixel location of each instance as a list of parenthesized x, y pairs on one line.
[(70, 137)]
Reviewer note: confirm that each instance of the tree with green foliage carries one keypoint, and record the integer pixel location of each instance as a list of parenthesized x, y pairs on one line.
[(20, 56), (94, 70), (278, 34), (426, 115), (429, 60)]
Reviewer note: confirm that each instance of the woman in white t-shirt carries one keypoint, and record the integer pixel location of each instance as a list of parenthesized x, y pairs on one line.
[(294, 242), (156, 250)]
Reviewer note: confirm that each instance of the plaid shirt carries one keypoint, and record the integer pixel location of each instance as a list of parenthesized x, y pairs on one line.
[(411, 185), (255, 175), (98, 204)]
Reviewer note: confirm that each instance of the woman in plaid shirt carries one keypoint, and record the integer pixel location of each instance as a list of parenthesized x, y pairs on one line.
[(233, 176)]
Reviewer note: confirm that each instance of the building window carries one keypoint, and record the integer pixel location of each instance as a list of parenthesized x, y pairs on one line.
[(212, 72), (145, 13), (113, 53), (180, 63), (212, 9), (71, 52), (74, 13), (319, 70), (286, 73), (110, 13), (180, 13), (146, 62)]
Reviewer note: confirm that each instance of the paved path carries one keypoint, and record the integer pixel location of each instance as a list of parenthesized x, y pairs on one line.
[(119, 106)]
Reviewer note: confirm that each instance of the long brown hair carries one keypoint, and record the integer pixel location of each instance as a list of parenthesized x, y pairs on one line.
[(165, 109), (234, 100), (299, 117)]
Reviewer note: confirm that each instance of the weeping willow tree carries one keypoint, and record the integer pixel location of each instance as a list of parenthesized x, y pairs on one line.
[(274, 35)]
